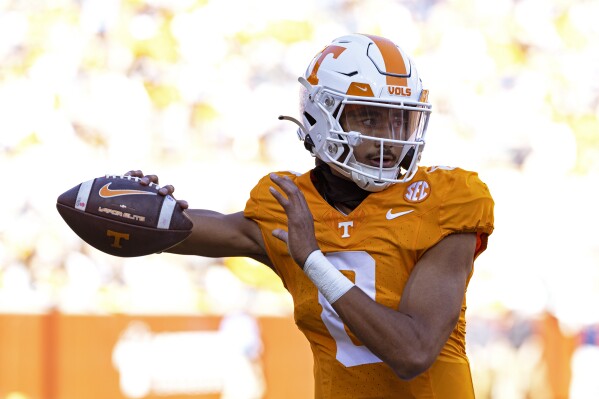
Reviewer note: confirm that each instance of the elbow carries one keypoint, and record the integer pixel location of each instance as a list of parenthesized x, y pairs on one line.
[(412, 364), (418, 357), (409, 371)]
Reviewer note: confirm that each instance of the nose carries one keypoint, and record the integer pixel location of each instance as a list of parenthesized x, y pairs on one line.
[(386, 146)]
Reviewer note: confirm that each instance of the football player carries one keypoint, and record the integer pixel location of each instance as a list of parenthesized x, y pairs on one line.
[(376, 251)]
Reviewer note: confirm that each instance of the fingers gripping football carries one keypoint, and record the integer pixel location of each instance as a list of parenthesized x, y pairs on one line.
[(146, 180), (299, 237)]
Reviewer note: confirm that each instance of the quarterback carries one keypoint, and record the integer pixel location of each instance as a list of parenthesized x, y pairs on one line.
[(376, 251)]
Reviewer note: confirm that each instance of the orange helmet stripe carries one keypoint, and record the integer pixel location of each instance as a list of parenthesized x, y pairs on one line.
[(394, 61)]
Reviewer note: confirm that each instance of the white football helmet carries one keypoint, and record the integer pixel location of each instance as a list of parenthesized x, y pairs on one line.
[(364, 111)]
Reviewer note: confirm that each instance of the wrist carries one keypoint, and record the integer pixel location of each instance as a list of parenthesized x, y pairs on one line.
[(305, 257), (331, 283)]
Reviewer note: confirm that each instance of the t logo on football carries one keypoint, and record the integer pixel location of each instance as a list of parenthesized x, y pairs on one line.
[(117, 238)]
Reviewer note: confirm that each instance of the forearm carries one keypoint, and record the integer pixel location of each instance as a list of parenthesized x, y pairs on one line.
[(217, 235), (393, 336)]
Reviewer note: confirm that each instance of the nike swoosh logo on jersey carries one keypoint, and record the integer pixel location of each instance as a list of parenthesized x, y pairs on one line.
[(361, 88), (106, 192), (391, 215)]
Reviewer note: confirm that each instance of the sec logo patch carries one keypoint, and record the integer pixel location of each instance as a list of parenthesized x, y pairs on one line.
[(417, 191)]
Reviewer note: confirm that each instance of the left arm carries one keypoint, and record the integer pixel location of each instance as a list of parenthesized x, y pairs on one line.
[(410, 338)]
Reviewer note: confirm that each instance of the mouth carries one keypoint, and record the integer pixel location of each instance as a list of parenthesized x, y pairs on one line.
[(389, 161)]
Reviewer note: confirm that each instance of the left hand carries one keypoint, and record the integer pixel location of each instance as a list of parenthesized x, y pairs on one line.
[(300, 237)]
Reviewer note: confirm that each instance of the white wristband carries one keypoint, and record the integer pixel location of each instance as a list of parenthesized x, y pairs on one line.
[(330, 282)]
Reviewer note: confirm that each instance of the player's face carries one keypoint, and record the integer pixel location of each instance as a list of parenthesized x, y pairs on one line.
[(379, 122)]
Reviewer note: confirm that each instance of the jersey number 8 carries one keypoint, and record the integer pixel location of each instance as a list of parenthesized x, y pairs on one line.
[(363, 265)]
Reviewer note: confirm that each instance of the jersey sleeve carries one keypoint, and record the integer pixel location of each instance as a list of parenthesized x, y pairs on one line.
[(265, 210), (252, 206), (467, 208), (262, 207)]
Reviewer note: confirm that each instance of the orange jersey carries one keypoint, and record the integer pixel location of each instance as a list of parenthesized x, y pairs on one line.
[(377, 246)]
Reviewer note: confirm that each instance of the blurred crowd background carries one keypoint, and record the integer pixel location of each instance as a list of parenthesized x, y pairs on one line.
[(191, 90)]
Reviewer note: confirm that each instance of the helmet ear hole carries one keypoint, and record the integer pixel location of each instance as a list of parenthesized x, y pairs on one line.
[(311, 120)]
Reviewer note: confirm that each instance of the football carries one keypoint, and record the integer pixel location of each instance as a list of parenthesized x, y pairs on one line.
[(119, 216)]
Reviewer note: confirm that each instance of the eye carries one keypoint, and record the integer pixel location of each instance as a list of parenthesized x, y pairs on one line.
[(372, 119), (398, 119), (369, 122), (399, 122)]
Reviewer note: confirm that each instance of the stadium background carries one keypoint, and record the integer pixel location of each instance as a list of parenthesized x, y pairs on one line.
[(191, 90)]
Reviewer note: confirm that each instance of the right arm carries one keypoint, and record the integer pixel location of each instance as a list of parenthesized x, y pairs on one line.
[(216, 235)]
